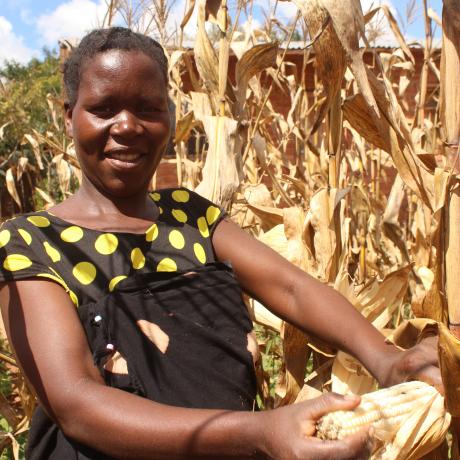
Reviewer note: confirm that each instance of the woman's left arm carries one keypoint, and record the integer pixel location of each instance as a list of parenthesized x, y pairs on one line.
[(319, 310)]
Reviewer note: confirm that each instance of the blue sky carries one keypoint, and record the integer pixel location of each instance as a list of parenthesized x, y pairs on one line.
[(26, 26)]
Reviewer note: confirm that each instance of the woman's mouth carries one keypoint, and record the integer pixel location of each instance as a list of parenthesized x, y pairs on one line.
[(124, 160)]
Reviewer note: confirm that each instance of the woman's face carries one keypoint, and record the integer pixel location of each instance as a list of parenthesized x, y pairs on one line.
[(120, 122)]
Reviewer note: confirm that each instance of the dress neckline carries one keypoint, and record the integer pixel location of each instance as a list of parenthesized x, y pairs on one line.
[(60, 220)]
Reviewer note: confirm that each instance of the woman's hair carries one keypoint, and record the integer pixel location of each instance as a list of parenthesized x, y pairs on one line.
[(100, 40)]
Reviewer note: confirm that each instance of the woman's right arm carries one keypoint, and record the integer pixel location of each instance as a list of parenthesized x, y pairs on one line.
[(51, 347)]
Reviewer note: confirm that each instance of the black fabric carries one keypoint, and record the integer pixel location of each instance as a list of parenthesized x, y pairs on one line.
[(201, 362)]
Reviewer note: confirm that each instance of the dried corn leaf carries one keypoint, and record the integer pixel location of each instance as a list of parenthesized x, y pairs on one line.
[(188, 13), (201, 105), (269, 216), (397, 32), (184, 127), (220, 173), (63, 170), (330, 55), (307, 392), (395, 135), (2, 129), (35, 148), (175, 58), (276, 239), (48, 200), (434, 16), (216, 14), (452, 254), (450, 69), (297, 252), (378, 301), (357, 113), (251, 63), (205, 55), (350, 377), (295, 355), (11, 187), (449, 358), (319, 231), (263, 316), (348, 21), (21, 167)]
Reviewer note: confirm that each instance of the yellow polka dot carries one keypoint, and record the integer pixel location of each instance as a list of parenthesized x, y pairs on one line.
[(177, 239), (181, 196), (179, 215), (203, 227), (167, 265), (39, 221), (72, 234), (137, 259), (114, 281), (15, 262), (212, 214), (199, 252), (53, 253), (106, 244), (160, 209), (156, 196), (152, 233), (5, 236), (85, 272), (26, 236)]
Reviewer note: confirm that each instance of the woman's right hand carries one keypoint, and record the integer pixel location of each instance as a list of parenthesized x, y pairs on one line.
[(289, 432)]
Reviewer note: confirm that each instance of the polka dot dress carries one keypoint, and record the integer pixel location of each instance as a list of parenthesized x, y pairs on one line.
[(90, 263)]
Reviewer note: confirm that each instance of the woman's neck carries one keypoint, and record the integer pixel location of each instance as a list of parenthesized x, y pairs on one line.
[(89, 207)]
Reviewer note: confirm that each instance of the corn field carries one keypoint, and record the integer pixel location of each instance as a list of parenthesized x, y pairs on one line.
[(356, 183)]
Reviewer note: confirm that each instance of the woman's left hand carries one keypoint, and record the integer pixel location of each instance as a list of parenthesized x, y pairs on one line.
[(417, 363)]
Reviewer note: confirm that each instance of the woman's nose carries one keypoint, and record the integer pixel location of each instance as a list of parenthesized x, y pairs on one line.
[(126, 124)]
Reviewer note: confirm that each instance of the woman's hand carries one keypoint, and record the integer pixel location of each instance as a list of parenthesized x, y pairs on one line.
[(290, 430), (417, 363)]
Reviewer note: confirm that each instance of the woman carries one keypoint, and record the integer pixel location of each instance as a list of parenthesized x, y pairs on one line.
[(150, 274)]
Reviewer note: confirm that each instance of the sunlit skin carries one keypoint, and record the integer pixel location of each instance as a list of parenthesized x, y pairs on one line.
[(113, 111)]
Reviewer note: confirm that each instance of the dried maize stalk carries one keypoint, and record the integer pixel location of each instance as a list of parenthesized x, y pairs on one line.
[(390, 411)]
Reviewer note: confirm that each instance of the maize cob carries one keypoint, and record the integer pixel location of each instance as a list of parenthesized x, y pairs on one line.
[(384, 409)]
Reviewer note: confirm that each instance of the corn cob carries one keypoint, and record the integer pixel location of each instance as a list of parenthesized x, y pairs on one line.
[(384, 409)]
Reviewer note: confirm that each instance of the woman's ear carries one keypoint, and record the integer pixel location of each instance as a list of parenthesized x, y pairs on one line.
[(68, 119)]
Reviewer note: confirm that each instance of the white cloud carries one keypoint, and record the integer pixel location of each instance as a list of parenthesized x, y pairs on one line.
[(12, 45), (72, 19), (287, 10)]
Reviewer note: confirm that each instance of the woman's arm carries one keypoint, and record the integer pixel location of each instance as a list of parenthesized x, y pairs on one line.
[(317, 309), (51, 347)]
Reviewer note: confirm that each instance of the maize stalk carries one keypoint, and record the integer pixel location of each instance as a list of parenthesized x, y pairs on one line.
[(385, 410)]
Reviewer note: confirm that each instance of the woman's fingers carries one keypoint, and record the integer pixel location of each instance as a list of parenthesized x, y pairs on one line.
[(330, 402), (358, 446)]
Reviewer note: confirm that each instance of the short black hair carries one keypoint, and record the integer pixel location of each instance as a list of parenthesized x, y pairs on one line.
[(100, 40)]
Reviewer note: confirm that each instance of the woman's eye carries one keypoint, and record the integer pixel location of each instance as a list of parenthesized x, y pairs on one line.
[(103, 110), (148, 109)]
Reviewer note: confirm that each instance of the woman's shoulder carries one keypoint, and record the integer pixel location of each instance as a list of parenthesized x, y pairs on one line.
[(34, 217)]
